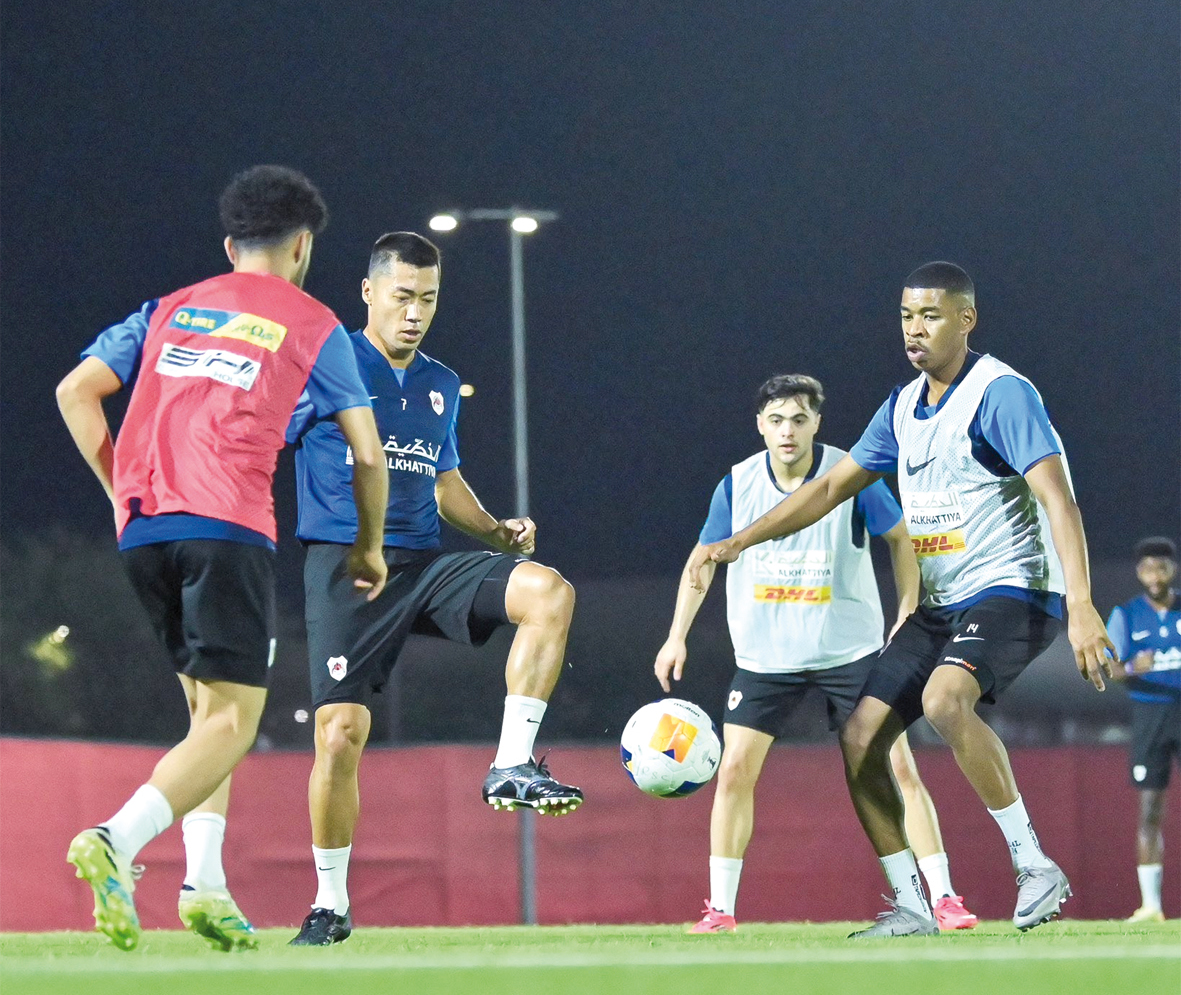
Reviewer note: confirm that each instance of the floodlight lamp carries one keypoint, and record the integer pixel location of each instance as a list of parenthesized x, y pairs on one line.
[(524, 224), (444, 222)]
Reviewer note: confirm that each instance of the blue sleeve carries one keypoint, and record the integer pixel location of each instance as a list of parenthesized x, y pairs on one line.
[(335, 382), (877, 449), (1117, 629), (719, 523), (121, 345), (879, 508), (1014, 422), (449, 457)]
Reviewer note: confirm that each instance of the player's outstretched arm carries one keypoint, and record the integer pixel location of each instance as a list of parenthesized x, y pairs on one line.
[(672, 655), (371, 492), (1094, 653), (907, 579), (804, 507), (80, 399), (459, 506)]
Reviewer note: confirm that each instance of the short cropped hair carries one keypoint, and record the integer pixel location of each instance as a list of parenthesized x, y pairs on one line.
[(410, 247), (787, 385), (1156, 546), (942, 276), (265, 205)]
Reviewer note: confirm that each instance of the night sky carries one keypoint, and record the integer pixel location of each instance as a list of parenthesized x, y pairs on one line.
[(742, 189)]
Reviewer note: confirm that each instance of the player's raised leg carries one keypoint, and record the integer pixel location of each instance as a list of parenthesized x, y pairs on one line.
[(866, 740), (540, 603), (926, 840), (949, 702), (731, 823), (334, 802)]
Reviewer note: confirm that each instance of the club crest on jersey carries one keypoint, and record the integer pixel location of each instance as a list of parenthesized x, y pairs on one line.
[(338, 666), (437, 401)]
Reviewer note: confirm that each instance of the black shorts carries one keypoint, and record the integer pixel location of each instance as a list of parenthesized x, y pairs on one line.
[(353, 644), (211, 603), (765, 702), (994, 640), (1156, 741)]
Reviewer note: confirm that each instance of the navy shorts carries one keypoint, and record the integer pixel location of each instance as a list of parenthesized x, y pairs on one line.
[(1156, 742), (993, 640), (353, 644), (211, 603), (765, 702)]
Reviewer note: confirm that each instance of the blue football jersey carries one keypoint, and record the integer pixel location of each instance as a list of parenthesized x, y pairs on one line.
[(416, 421), (1137, 626)]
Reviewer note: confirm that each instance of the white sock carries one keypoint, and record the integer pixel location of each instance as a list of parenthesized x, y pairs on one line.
[(522, 718), (903, 874), (204, 833), (145, 816), (938, 874), (724, 875), (1150, 884), (332, 872), (1024, 848)]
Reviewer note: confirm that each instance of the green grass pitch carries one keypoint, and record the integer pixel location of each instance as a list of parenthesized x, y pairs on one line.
[(1069, 957)]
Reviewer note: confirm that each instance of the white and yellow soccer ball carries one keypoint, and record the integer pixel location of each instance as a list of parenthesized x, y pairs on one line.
[(670, 748)]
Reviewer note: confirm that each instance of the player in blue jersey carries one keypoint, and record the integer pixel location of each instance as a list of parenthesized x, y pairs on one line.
[(984, 485), (1146, 632), (804, 612), (459, 596), (191, 492)]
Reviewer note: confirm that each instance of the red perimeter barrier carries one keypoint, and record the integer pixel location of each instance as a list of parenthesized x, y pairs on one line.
[(429, 852)]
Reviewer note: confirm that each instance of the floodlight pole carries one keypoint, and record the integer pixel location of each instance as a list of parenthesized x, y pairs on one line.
[(526, 837)]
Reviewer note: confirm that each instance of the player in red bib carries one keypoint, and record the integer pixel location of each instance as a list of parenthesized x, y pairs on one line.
[(218, 369)]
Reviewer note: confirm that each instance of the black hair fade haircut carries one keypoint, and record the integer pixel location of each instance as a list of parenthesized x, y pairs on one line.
[(408, 246), (265, 205), (791, 385), (1156, 546), (942, 276)]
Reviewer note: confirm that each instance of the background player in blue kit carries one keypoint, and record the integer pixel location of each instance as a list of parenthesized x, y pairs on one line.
[(1146, 632), (984, 485), (804, 612), (459, 596)]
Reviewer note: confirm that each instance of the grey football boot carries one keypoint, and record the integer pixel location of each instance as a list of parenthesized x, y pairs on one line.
[(898, 921), (1040, 891)]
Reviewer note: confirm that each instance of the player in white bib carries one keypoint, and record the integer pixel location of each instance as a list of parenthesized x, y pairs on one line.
[(981, 475), (803, 613)]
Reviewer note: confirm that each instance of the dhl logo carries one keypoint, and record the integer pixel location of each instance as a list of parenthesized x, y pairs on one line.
[(793, 595), (231, 325), (673, 737), (939, 545)]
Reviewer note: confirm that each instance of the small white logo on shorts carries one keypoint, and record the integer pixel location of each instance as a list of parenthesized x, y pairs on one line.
[(437, 401), (338, 666), (735, 698), (1139, 772)]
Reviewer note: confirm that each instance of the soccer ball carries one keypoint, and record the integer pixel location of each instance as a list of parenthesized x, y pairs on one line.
[(670, 748)]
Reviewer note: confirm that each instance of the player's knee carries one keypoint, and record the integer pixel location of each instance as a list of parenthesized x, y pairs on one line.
[(945, 710), (340, 737), (543, 594), (857, 739), (737, 772)]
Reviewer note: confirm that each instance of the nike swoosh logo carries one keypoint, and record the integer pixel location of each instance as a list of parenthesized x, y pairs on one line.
[(964, 639), (536, 722), (912, 470), (1038, 901), (1142, 635)]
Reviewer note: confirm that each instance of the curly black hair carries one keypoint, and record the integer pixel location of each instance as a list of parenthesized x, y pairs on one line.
[(266, 204)]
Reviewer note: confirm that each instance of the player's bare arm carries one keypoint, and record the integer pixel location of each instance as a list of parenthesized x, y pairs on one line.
[(1085, 629), (905, 565), (80, 398), (806, 506), (371, 487), (459, 506), (672, 655)]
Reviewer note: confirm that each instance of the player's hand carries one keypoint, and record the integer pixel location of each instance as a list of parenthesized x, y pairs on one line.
[(726, 551), (670, 659), (515, 535), (1143, 662), (368, 570), (1094, 654)]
